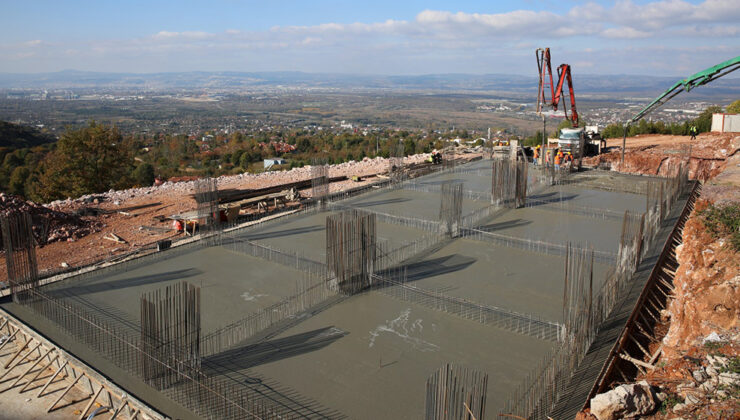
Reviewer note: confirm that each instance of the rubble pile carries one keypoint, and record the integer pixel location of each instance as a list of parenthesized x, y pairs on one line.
[(48, 225)]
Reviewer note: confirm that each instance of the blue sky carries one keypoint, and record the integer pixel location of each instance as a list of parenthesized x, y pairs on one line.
[(666, 37)]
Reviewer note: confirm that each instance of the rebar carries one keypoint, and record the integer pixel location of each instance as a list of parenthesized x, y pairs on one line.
[(351, 238), (170, 330), (20, 255), (319, 182), (312, 290), (395, 166), (393, 282), (209, 216), (456, 393), (450, 207), (509, 183), (204, 395)]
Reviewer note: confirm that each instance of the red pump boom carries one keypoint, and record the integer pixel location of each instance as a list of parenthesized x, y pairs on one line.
[(556, 93)]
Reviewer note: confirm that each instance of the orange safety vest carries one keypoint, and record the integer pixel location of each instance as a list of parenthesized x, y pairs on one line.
[(536, 153), (558, 159)]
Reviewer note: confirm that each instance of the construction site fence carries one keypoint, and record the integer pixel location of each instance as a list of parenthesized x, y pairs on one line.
[(313, 291), (205, 396), (386, 282), (531, 245)]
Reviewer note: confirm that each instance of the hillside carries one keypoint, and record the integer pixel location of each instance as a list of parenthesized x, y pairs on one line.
[(16, 136)]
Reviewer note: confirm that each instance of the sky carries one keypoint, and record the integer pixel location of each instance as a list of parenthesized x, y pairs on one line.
[(401, 37)]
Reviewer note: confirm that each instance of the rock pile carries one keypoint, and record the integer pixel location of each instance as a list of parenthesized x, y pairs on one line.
[(715, 381), (48, 225), (624, 402)]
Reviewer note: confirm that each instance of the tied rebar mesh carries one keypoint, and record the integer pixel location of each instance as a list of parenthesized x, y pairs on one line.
[(584, 311), (393, 282), (395, 165), (312, 291), (456, 393), (170, 330), (319, 182), (206, 396), (450, 207), (20, 255), (631, 242), (509, 183), (206, 198), (351, 238)]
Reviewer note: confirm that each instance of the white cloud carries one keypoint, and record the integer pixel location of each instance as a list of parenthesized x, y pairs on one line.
[(432, 41)]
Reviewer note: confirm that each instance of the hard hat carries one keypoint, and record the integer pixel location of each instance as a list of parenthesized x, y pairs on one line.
[(568, 152)]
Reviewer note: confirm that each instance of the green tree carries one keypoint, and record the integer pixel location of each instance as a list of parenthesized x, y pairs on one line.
[(144, 174), (92, 159), (409, 147), (17, 182), (734, 108)]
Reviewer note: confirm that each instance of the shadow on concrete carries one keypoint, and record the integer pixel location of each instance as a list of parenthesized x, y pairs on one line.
[(232, 365), (437, 266), (505, 225), (442, 181), (552, 197), (272, 350), (380, 202), (78, 290), (286, 232)]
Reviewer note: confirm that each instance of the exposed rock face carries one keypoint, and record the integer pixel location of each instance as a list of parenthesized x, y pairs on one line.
[(707, 288), (708, 157), (624, 402)]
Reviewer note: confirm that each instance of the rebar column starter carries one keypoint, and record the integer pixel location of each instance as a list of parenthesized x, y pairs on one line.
[(20, 255)]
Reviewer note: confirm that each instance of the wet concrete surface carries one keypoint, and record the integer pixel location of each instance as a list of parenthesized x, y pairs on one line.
[(418, 204), (610, 201), (305, 235), (233, 285), (492, 275), (557, 227), (370, 356)]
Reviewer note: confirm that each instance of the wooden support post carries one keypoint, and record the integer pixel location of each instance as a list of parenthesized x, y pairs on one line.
[(119, 410), (31, 368), (12, 336), (655, 356), (638, 363), (20, 361), (92, 400), (17, 353), (66, 390), (634, 340), (52, 379), (48, 365)]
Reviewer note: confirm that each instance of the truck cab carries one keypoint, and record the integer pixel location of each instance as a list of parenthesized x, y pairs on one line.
[(570, 140)]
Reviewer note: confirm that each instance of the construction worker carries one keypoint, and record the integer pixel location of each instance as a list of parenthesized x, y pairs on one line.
[(537, 154), (558, 160), (693, 131)]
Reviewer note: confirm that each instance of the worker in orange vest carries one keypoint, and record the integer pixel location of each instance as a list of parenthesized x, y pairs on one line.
[(558, 160), (536, 154)]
